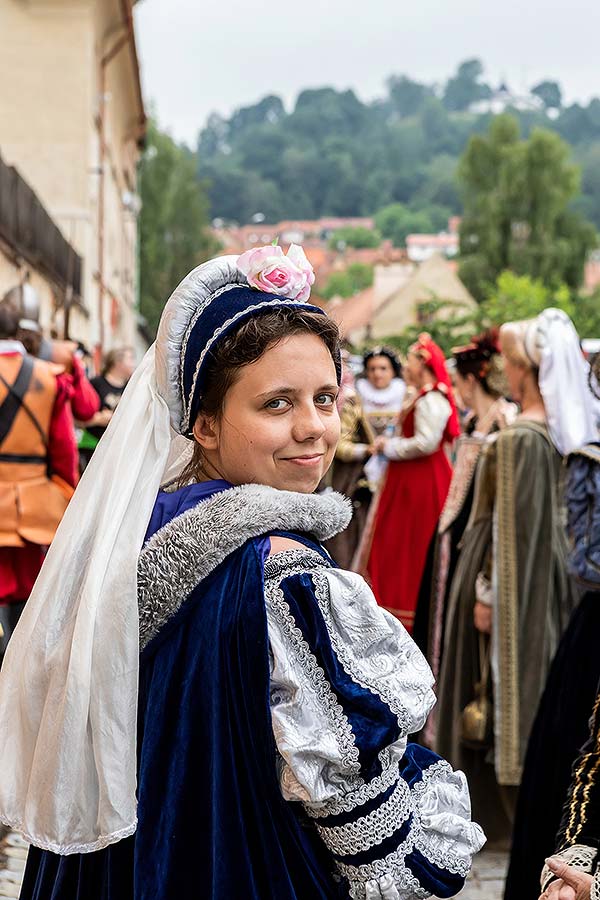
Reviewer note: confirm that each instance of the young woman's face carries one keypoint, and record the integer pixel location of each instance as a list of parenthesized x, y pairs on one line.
[(414, 370), (280, 424), (465, 387), (515, 375), (379, 371)]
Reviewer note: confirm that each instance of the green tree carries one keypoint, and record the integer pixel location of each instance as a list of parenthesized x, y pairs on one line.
[(406, 96), (357, 277), (516, 196), (516, 297), (586, 314), (174, 234), (465, 87), (396, 221), (549, 93), (357, 237)]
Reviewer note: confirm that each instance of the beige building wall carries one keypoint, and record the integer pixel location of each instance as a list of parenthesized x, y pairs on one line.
[(435, 279), (63, 98)]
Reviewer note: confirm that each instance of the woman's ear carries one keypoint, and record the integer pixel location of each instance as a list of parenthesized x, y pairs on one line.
[(204, 432)]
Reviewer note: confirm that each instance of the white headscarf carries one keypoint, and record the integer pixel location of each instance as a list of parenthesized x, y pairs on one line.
[(552, 344), (69, 682)]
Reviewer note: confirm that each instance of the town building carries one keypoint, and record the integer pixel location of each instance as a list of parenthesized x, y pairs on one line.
[(393, 303), (73, 123)]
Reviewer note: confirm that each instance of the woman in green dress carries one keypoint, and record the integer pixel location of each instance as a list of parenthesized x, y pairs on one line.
[(511, 584)]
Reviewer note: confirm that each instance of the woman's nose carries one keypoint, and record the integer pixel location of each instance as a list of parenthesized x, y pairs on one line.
[(308, 424)]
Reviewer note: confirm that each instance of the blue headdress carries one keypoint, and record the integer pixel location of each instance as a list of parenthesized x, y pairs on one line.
[(210, 303)]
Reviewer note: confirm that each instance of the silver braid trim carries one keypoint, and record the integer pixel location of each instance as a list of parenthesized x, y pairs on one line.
[(394, 863), (353, 799), (365, 832), (333, 711)]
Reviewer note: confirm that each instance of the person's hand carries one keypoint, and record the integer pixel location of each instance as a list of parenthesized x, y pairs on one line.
[(101, 418), (62, 353), (571, 883), (378, 445), (482, 616)]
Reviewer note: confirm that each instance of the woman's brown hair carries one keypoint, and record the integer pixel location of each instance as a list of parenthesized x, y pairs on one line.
[(244, 346)]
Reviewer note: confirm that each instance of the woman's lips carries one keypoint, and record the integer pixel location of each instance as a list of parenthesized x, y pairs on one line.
[(306, 460)]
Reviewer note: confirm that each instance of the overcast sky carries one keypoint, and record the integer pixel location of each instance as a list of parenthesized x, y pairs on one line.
[(200, 56)]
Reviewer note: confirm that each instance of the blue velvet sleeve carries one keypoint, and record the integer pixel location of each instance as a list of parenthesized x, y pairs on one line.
[(348, 685)]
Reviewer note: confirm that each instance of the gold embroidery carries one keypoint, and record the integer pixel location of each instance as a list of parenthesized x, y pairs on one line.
[(508, 763), (583, 782)]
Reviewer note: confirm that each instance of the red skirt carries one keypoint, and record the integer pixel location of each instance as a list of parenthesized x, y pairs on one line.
[(411, 502)]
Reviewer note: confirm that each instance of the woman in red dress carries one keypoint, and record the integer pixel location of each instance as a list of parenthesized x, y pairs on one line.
[(416, 485)]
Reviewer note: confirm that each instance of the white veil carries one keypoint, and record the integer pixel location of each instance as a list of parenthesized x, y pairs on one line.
[(69, 682), (553, 344)]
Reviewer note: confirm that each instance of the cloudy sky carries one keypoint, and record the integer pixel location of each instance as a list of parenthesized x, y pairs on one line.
[(200, 56)]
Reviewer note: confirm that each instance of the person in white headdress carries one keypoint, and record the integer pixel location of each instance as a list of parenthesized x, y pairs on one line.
[(513, 596), (198, 704)]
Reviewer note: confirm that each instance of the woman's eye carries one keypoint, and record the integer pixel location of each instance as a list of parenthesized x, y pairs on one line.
[(325, 400), (278, 403)]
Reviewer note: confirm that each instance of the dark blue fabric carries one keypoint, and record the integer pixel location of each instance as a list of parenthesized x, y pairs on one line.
[(414, 762), (439, 882), (170, 504), (237, 304), (213, 824), (583, 506), (373, 724)]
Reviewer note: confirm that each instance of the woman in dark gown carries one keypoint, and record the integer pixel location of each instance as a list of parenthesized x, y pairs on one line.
[(562, 718)]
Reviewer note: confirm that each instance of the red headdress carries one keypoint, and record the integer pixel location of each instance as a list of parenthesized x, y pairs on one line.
[(433, 357)]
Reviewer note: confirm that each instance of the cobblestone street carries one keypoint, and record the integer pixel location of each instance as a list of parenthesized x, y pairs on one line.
[(485, 883), (487, 878)]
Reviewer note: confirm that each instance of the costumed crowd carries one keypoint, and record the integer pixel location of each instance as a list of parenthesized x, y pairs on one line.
[(223, 683)]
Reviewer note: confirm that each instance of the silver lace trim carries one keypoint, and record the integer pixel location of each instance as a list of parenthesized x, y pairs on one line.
[(393, 864), (359, 797), (290, 562), (580, 856), (370, 683), (274, 301), (104, 840), (445, 858), (595, 891), (372, 829), (334, 713)]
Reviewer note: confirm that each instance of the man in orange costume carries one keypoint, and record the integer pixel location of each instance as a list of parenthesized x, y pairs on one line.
[(38, 466)]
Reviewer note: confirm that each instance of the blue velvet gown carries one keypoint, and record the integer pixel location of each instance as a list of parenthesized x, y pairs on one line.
[(212, 821)]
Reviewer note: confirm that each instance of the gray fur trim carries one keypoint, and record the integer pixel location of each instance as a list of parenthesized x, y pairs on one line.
[(186, 550)]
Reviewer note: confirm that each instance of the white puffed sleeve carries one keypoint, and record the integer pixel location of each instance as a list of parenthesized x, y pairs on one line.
[(431, 416), (348, 685)]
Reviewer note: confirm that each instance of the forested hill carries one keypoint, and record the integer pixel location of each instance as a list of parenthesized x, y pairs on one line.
[(335, 155)]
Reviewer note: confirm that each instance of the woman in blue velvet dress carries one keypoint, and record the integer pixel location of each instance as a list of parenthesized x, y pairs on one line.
[(199, 703)]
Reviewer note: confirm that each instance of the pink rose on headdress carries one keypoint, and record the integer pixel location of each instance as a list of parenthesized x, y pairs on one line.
[(269, 270)]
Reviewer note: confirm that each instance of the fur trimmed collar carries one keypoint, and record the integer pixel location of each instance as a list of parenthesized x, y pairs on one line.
[(191, 546)]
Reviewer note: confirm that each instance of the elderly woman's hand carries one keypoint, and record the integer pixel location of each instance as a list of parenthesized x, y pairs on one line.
[(378, 445), (571, 883)]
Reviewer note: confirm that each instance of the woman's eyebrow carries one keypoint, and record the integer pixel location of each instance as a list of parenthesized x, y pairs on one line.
[(290, 391)]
